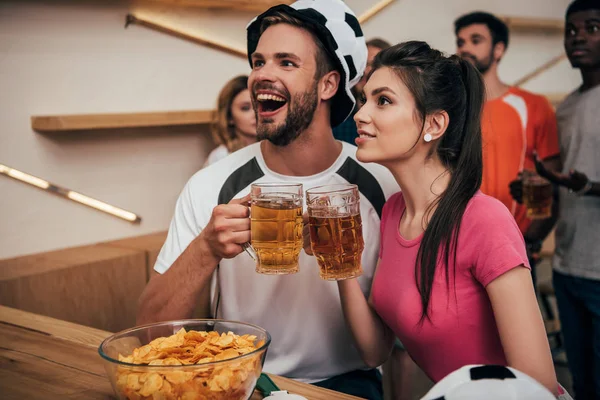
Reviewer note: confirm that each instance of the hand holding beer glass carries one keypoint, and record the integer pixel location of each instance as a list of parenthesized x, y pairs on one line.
[(276, 226), (537, 195), (335, 230)]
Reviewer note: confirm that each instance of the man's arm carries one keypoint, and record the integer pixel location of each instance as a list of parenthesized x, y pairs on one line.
[(174, 294), (575, 181)]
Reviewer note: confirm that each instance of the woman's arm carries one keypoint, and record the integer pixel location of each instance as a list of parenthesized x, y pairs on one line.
[(373, 338), (521, 327)]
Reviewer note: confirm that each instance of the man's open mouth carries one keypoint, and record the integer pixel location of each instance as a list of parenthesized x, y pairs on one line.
[(269, 102)]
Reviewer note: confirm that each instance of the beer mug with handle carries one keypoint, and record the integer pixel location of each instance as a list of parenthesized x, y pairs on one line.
[(276, 227), (335, 230)]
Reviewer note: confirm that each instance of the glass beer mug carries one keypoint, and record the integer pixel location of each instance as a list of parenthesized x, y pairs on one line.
[(276, 227), (537, 195), (335, 230)]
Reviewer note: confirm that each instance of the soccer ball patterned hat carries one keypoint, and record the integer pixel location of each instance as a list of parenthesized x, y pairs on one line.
[(489, 382), (336, 26)]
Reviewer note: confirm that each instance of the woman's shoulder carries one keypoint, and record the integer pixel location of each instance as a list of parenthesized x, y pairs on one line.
[(483, 209)]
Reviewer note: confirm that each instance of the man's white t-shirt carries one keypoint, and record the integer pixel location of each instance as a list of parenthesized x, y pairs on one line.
[(219, 153), (302, 312)]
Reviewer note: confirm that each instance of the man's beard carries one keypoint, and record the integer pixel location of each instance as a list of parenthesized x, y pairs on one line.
[(301, 110), (482, 65)]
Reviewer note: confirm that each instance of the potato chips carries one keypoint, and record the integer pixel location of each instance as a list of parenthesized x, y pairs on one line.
[(194, 380)]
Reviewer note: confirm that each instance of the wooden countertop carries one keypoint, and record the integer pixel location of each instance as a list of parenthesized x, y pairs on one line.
[(43, 357)]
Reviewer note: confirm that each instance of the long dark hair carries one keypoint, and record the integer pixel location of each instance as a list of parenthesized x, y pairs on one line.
[(451, 84)]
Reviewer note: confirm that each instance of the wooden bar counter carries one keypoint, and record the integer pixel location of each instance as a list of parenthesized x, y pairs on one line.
[(47, 358)]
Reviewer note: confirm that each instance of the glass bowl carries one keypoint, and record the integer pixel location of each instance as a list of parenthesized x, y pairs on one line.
[(231, 379)]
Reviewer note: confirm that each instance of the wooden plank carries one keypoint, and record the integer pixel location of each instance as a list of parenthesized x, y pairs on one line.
[(262, 5), (34, 366), (151, 244), (42, 357), (190, 37), (62, 123), (49, 261), (538, 25), (541, 69), (17, 339), (69, 331), (244, 5), (376, 9), (24, 376), (96, 286)]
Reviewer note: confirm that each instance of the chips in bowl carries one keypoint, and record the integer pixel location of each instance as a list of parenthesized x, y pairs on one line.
[(189, 364)]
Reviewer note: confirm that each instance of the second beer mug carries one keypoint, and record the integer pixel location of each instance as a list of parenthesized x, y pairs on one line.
[(276, 226), (336, 230), (537, 195)]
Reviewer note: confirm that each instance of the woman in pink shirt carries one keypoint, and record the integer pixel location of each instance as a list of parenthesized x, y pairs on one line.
[(453, 282)]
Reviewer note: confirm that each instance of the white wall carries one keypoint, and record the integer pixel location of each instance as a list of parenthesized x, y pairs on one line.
[(69, 57), (432, 21)]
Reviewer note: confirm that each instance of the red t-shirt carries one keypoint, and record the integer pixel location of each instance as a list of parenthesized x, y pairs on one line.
[(513, 126), (462, 329)]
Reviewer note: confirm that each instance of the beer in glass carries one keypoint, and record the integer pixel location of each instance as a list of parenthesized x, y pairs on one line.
[(537, 195), (335, 230), (276, 227)]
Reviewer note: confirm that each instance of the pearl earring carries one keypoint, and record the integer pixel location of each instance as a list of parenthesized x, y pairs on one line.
[(427, 137)]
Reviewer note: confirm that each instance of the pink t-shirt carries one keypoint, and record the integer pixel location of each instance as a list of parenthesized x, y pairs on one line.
[(462, 329)]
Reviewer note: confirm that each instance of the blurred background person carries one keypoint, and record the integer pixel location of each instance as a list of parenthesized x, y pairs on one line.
[(515, 124), (234, 121), (576, 262), (346, 131), (374, 46)]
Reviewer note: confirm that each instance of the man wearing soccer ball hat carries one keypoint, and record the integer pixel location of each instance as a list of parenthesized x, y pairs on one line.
[(305, 58)]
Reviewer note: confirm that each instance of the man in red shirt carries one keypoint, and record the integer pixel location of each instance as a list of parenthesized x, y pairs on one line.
[(516, 124)]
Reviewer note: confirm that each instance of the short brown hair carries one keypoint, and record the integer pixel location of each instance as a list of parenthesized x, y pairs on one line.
[(498, 29), (322, 58), (378, 43)]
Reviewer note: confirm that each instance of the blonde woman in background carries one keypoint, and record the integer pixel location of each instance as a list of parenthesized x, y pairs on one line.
[(234, 121)]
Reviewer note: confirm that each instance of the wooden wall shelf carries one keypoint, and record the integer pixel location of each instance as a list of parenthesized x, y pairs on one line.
[(537, 25), (64, 123), (81, 122)]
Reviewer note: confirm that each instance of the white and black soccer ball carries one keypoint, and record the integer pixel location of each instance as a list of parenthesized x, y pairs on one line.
[(489, 382), (337, 27)]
